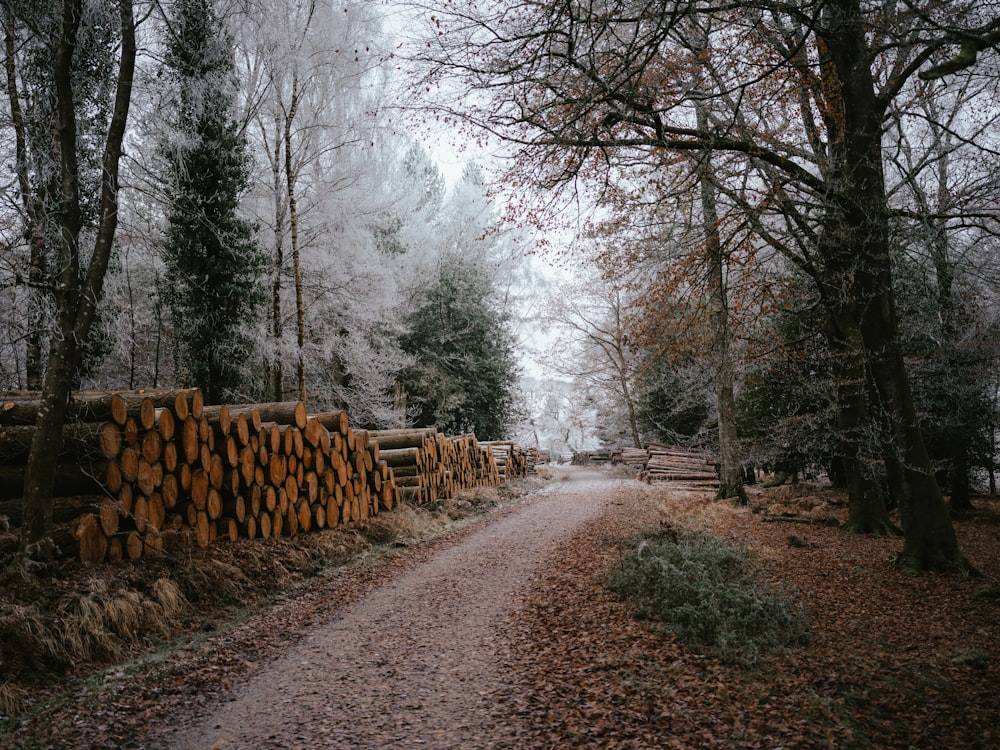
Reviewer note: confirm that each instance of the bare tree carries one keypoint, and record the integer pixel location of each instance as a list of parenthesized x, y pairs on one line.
[(585, 83), (593, 316), (79, 279)]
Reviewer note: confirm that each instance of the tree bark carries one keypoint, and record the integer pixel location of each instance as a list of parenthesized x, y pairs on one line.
[(77, 297), (859, 219), (293, 220), (730, 468), (33, 202), (867, 509), (276, 374)]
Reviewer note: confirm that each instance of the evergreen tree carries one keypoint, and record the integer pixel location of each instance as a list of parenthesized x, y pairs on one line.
[(951, 348), (787, 406), (673, 401), (466, 373), (214, 265)]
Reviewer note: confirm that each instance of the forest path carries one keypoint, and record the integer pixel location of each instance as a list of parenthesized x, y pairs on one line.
[(419, 661)]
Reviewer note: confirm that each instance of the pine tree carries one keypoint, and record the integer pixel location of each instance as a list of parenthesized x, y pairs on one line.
[(214, 266), (465, 379)]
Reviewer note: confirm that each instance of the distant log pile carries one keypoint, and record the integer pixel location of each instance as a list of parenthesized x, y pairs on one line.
[(636, 458), (512, 461), (143, 470), (583, 458), (428, 466), (682, 467)]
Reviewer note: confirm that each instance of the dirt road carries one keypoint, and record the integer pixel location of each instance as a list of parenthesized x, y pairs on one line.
[(434, 672)]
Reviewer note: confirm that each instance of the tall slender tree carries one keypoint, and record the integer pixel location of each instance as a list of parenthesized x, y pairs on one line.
[(79, 275), (214, 265)]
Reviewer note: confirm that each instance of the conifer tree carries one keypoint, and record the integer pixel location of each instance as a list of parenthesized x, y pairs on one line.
[(214, 266), (465, 377)]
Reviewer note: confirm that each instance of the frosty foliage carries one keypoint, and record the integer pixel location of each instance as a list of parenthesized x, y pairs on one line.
[(302, 96)]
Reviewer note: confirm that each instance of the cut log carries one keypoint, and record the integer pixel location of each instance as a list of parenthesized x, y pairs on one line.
[(165, 423), (70, 480), (188, 440), (151, 445), (219, 417), (335, 421), (402, 457), (409, 438), (93, 542), (90, 406), (199, 488), (79, 442), (169, 490), (249, 527), (281, 412)]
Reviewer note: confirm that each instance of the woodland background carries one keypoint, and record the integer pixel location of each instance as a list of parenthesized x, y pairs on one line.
[(727, 202)]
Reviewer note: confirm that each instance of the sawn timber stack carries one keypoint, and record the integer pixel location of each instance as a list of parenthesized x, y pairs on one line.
[(143, 470)]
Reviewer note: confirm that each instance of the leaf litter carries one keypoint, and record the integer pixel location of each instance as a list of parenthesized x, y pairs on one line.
[(892, 661)]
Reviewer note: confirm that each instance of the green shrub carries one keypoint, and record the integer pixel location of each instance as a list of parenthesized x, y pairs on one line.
[(706, 593)]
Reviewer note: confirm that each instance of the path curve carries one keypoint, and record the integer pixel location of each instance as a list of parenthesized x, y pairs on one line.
[(417, 662)]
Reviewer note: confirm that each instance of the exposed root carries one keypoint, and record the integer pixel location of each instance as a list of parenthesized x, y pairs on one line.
[(877, 528)]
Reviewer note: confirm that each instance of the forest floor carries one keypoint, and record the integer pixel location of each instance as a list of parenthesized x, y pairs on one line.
[(486, 623)]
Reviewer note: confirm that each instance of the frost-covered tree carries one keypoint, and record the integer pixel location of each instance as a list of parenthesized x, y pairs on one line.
[(214, 266), (314, 84), (85, 226), (591, 312), (31, 219)]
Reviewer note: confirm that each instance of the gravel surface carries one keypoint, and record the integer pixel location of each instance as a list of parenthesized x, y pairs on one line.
[(419, 661)]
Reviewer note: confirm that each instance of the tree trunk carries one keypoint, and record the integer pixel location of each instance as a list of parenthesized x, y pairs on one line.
[(930, 541), (730, 467), (276, 375), (34, 202), (78, 296), (293, 219), (858, 215), (867, 511)]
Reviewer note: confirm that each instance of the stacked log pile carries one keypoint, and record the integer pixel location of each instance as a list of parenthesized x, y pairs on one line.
[(637, 458), (684, 468), (141, 470), (161, 468), (428, 466), (472, 464), (510, 458)]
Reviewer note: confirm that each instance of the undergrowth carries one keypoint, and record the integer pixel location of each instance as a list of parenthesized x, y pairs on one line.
[(707, 593), (88, 616)]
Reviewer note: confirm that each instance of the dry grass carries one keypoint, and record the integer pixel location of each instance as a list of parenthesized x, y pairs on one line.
[(27, 643), (402, 524), (12, 702), (683, 509), (99, 615), (169, 595), (83, 629)]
